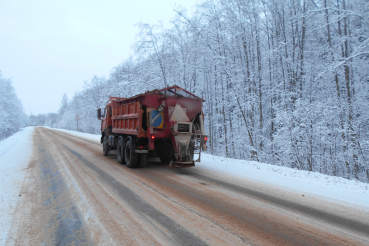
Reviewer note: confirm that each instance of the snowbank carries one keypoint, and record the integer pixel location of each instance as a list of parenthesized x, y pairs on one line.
[(337, 189), (15, 153)]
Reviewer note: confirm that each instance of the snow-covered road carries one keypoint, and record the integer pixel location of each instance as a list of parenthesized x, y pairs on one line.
[(349, 192), (242, 201)]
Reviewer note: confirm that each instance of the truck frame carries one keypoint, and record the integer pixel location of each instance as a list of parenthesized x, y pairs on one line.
[(166, 123)]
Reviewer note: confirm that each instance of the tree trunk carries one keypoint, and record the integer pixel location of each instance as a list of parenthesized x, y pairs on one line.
[(349, 99)]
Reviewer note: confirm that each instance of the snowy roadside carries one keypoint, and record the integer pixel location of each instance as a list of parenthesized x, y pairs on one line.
[(15, 153), (349, 192)]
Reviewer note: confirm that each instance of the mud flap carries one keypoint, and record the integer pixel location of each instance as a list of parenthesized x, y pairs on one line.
[(179, 164)]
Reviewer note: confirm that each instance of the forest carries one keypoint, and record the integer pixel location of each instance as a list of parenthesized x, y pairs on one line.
[(284, 82), (13, 117)]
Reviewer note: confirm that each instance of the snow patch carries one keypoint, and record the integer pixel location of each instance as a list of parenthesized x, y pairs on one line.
[(80, 134), (350, 192), (15, 153)]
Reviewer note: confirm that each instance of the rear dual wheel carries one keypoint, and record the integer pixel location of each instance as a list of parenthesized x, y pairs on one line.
[(120, 151), (126, 155), (142, 160), (129, 155)]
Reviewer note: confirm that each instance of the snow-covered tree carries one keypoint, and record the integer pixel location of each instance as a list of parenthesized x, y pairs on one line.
[(12, 113)]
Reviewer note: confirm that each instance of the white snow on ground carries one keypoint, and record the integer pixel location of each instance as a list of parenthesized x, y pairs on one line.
[(333, 188), (15, 153), (80, 134), (337, 189)]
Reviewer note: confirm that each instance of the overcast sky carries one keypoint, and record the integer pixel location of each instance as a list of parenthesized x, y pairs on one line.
[(49, 48)]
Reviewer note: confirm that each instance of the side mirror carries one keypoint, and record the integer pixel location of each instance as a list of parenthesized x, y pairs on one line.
[(99, 114)]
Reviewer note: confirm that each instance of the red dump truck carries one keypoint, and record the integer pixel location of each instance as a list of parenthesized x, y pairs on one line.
[(166, 123)]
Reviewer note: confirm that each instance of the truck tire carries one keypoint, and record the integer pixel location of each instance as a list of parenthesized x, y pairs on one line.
[(105, 147), (142, 160), (130, 157), (120, 151)]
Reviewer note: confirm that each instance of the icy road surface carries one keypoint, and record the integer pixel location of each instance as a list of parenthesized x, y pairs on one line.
[(68, 193)]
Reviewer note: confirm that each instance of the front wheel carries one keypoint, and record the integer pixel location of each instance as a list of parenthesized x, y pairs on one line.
[(130, 157)]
